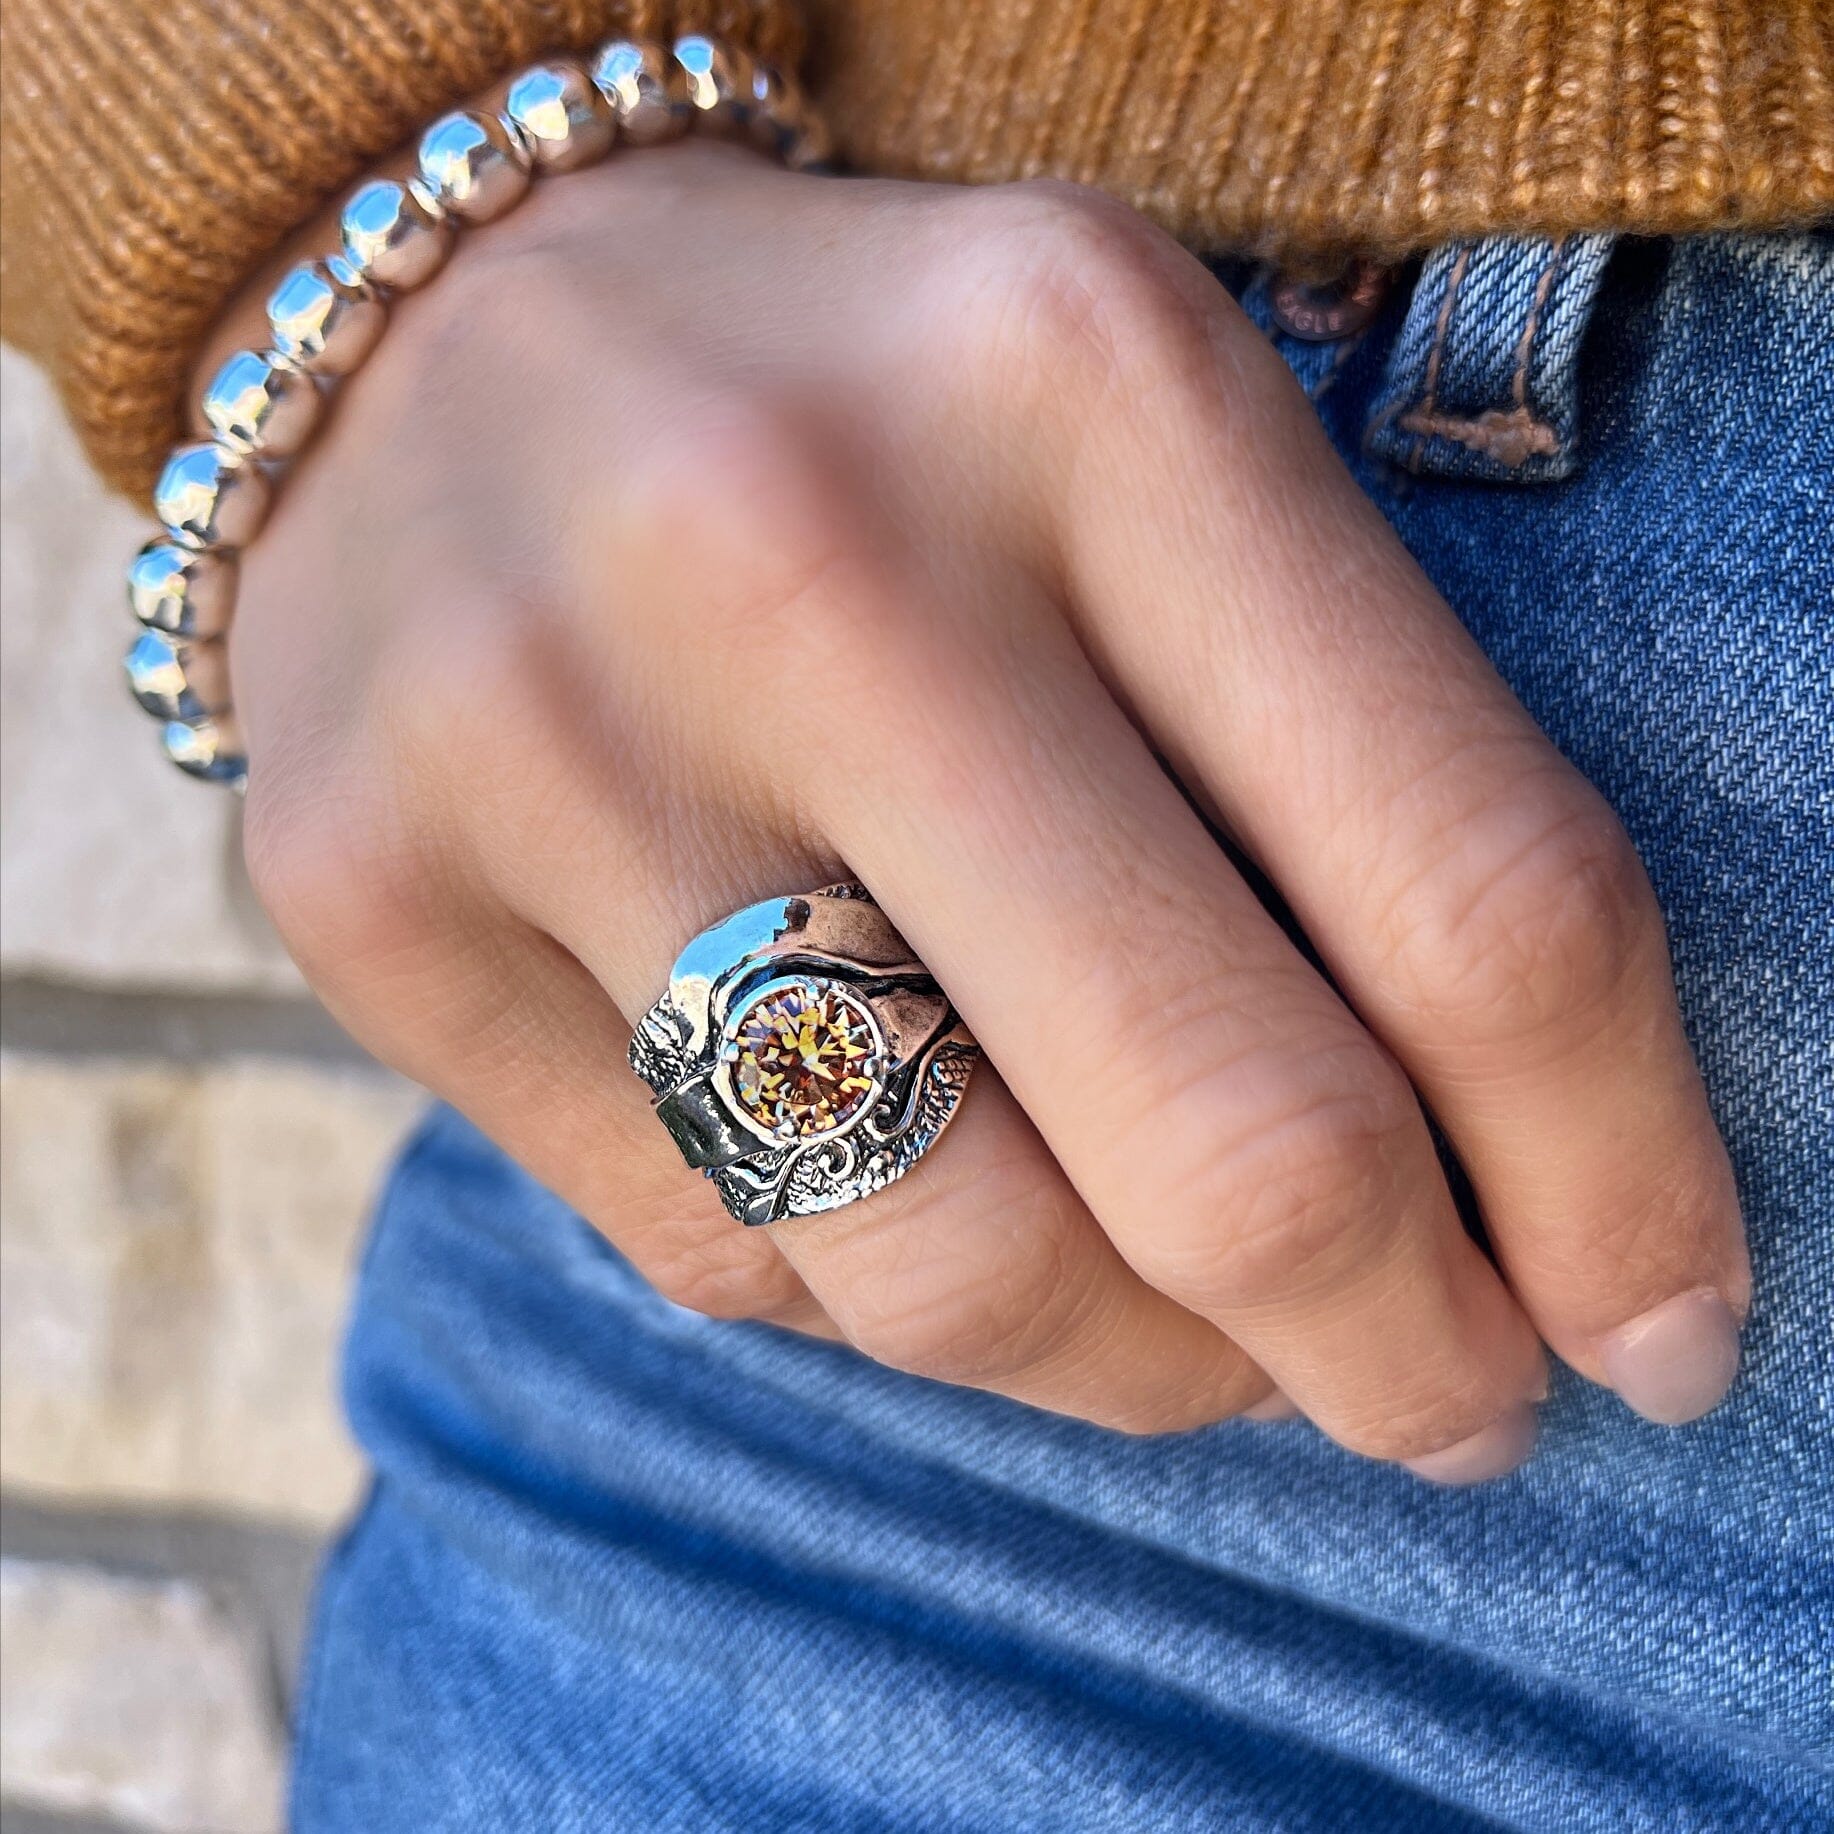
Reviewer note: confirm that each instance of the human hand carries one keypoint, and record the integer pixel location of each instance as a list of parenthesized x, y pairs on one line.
[(708, 532)]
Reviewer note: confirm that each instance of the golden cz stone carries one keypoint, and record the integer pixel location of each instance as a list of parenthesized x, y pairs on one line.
[(803, 1060)]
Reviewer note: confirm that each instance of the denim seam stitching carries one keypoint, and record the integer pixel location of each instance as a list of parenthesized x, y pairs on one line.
[(1448, 296), (1435, 357), (1508, 436)]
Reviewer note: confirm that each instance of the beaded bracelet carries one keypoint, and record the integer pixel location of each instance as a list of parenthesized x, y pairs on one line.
[(324, 319)]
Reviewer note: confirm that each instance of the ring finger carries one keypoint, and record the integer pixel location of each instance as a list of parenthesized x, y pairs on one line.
[(494, 1017)]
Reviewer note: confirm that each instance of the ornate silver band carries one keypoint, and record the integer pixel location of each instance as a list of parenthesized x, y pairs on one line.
[(803, 1057)]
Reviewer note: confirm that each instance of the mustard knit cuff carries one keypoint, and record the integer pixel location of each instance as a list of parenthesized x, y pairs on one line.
[(1306, 131)]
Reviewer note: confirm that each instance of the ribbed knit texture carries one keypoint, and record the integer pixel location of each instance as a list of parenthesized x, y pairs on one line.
[(1305, 129), (157, 150)]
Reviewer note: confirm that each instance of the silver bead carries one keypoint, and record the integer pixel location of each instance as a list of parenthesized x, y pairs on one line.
[(395, 235), (324, 318), (475, 165), (783, 122), (647, 90), (180, 591), (176, 680), (764, 107), (563, 119), (718, 82), (209, 747), (259, 404), (210, 498)]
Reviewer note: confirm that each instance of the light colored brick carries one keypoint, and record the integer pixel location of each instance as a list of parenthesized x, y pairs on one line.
[(113, 869), (177, 1256), (140, 1700)]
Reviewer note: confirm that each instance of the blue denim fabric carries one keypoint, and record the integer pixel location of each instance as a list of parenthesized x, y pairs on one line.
[(626, 1568)]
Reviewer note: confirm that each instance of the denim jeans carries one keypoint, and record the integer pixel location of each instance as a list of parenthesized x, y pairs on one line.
[(627, 1568)]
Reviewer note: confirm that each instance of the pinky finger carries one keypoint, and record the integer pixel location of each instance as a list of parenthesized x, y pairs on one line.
[(498, 1019)]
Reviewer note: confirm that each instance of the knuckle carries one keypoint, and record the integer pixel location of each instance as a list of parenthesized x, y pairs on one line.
[(467, 695), (980, 1317), (1180, 1407), (1542, 919), (1647, 1238), (1396, 1427), (720, 1277), (490, 730), (743, 510), (1071, 275), (344, 888), (1297, 1159)]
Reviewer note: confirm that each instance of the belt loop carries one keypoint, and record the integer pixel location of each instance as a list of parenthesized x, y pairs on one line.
[(1483, 381)]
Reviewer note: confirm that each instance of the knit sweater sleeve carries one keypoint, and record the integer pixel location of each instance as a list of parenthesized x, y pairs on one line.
[(154, 153)]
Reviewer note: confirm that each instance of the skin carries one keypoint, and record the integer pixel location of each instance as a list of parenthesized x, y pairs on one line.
[(707, 531)]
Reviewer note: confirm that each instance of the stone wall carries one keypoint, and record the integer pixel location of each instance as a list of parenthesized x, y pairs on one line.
[(187, 1150)]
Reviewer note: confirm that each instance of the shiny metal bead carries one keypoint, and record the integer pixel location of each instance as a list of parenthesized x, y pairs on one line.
[(210, 747), (395, 235), (475, 165), (176, 680), (258, 404), (563, 119), (210, 498), (765, 108), (181, 591), (718, 83), (783, 123), (647, 90), (324, 318)]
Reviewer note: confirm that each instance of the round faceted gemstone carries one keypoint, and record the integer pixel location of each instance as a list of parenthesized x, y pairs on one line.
[(804, 1058)]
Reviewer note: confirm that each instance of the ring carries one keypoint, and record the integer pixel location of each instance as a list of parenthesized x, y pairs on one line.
[(803, 1057)]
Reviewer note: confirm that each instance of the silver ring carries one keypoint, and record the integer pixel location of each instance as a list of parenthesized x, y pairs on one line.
[(803, 1057)]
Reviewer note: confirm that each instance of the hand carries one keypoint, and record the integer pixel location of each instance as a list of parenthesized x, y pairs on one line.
[(707, 532)]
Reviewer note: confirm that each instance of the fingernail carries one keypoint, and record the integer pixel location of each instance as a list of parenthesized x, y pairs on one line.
[(1676, 1362), (1490, 1452), (1271, 1407)]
